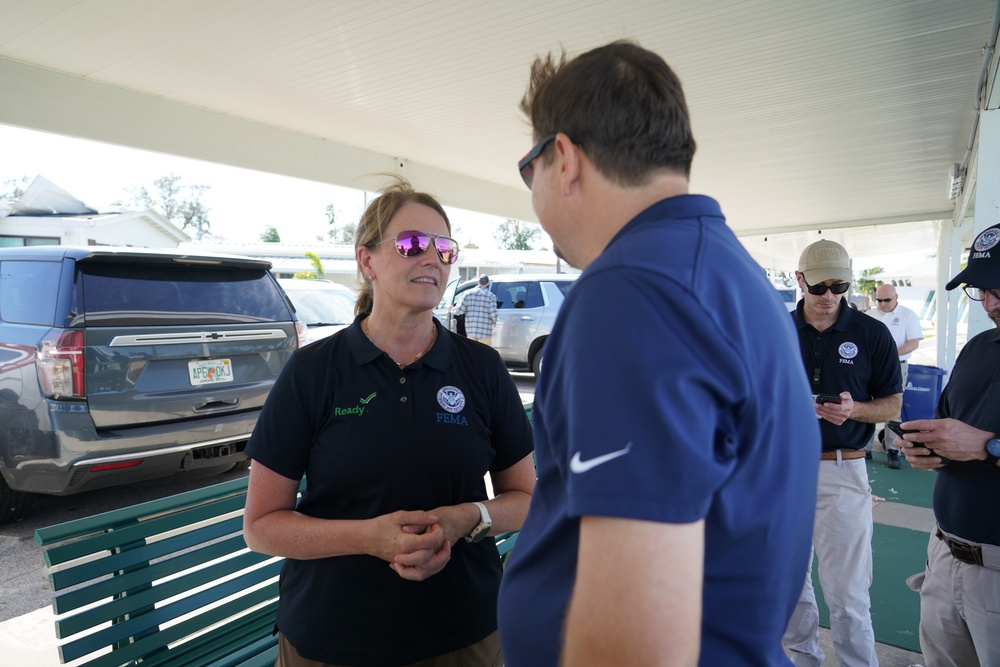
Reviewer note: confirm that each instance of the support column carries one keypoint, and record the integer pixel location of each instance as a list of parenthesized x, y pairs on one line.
[(987, 212)]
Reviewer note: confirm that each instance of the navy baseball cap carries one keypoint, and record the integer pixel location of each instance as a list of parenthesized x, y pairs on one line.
[(983, 268)]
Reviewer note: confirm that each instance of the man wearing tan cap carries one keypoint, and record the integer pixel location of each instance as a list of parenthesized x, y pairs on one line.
[(960, 587), (853, 367)]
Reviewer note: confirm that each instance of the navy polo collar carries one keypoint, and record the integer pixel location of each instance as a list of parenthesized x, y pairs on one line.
[(364, 351)]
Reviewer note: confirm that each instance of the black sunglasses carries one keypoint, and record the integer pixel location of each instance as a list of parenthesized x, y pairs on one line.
[(979, 293), (820, 290), (885, 300), (525, 167), (412, 243)]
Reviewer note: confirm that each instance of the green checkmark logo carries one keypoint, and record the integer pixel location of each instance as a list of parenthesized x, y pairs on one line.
[(364, 401)]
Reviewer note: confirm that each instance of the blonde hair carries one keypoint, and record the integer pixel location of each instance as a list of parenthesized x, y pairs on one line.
[(375, 220)]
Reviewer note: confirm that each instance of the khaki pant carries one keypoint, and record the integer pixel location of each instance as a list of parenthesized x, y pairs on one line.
[(484, 341), (485, 653)]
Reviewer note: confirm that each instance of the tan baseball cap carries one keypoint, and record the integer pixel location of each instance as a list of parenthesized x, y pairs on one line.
[(825, 260)]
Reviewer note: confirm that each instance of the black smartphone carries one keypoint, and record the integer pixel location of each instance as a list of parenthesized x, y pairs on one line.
[(895, 427), (828, 398)]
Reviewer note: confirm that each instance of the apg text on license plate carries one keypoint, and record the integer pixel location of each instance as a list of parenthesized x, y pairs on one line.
[(210, 371)]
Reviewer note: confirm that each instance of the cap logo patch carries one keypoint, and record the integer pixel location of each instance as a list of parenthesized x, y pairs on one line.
[(826, 254), (987, 240), (848, 350), (451, 399)]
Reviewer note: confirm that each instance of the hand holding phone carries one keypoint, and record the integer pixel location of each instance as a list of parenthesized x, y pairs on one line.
[(897, 428), (828, 398)]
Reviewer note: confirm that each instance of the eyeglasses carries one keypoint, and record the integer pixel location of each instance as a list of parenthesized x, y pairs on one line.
[(820, 290), (885, 300), (525, 167), (412, 243), (979, 293)]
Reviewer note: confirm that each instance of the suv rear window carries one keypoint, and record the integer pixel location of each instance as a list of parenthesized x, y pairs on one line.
[(132, 294), (28, 291)]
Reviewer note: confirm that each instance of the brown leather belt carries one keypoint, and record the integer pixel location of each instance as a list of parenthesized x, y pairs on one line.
[(967, 553), (845, 454)]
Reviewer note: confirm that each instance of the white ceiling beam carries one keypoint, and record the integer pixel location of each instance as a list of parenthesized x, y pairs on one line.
[(41, 99)]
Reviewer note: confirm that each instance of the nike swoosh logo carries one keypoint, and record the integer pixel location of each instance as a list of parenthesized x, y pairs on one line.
[(578, 466)]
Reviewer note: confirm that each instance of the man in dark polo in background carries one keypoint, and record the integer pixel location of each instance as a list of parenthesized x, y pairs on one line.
[(960, 587), (851, 356)]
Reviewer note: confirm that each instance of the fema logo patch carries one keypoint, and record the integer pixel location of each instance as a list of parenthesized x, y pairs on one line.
[(451, 399), (986, 240), (848, 350)]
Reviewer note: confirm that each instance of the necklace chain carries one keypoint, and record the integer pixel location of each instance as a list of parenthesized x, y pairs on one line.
[(434, 332)]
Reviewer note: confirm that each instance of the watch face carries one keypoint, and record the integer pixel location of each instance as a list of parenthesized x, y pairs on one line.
[(993, 447)]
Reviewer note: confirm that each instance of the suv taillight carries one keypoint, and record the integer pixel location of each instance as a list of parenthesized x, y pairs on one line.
[(60, 364), (302, 332)]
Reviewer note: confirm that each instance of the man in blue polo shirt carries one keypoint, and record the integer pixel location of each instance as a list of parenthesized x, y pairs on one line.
[(852, 359), (677, 446)]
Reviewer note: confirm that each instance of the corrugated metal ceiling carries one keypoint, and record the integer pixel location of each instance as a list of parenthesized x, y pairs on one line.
[(807, 114)]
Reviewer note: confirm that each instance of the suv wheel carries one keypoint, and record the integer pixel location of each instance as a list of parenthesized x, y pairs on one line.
[(14, 505), (536, 362)]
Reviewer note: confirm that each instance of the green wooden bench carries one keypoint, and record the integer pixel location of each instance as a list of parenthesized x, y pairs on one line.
[(167, 583)]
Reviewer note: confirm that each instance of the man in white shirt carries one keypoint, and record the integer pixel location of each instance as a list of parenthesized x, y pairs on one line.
[(904, 325)]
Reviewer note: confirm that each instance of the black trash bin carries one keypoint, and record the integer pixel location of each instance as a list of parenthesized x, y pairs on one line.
[(923, 388)]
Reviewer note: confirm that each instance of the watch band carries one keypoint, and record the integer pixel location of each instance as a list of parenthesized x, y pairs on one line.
[(483, 528)]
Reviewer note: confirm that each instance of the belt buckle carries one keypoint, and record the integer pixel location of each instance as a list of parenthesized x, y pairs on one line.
[(967, 553)]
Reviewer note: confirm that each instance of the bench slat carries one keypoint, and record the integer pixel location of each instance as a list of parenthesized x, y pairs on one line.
[(133, 604), (143, 529), (143, 553), (99, 590), (126, 516), (148, 644)]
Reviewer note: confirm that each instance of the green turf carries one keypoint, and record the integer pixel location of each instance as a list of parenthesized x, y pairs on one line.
[(906, 485), (897, 553)]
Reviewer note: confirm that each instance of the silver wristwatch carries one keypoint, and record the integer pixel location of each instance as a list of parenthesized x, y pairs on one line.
[(483, 529)]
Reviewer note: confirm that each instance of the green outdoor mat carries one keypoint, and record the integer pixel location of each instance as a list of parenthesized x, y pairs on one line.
[(906, 485), (897, 553)]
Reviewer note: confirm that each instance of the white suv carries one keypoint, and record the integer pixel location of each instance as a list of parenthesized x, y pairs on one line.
[(527, 305)]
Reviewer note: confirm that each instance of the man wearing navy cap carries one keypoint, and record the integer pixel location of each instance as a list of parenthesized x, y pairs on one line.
[(960, 587)]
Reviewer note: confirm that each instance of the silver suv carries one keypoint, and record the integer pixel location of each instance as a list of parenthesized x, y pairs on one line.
[(527, 305), (119, 365)]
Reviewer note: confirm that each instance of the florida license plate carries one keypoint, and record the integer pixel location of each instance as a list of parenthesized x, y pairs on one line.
[(210, 371)]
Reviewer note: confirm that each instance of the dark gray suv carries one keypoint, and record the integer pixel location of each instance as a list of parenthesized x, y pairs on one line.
[(119, 365)]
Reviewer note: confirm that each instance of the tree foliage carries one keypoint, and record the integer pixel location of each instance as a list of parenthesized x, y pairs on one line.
[(339, 235), (178, 203), (515, 235), (317, 270), (270, 235), (13, 189), (866, 285)]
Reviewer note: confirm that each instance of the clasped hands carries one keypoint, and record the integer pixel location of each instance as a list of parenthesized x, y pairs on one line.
[(417, 544)]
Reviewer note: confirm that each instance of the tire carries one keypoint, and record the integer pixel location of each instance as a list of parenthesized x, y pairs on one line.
[(14, 505), (536, 362)]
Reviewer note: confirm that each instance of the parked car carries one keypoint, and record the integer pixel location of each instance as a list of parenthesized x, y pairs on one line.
[(527, 305), (325, 307), (119, 365), (789, 296)]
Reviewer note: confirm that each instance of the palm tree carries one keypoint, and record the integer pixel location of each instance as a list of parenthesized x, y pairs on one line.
[(866, 285)]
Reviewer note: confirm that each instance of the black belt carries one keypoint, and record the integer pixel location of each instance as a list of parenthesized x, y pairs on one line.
[(967, 553)]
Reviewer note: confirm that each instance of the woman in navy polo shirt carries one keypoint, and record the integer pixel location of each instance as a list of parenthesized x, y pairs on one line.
[(393, 421)]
